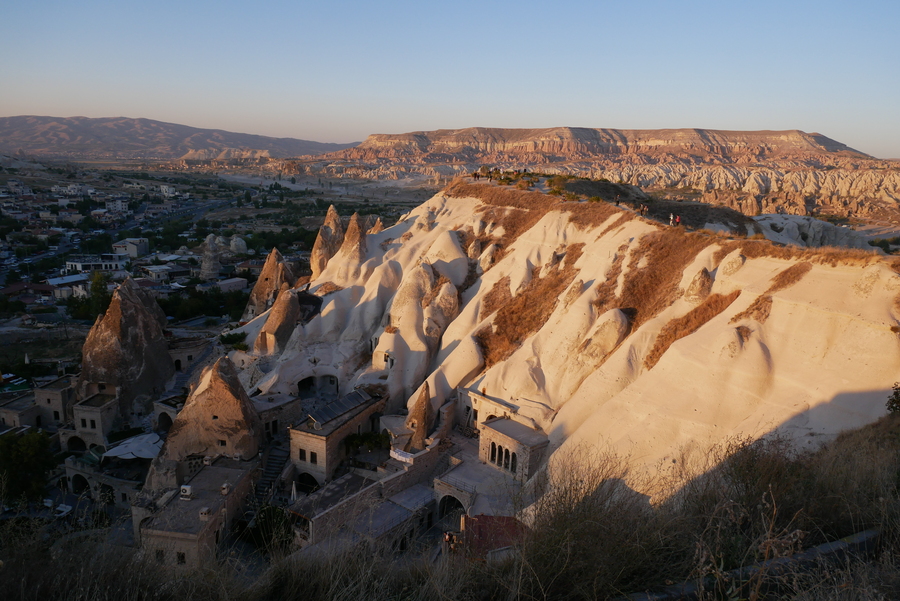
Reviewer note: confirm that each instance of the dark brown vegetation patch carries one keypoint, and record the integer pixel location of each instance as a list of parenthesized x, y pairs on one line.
[(688, 324), (328, 288), (824, 255), (525, 313), (650, 289), (496, 297), (758, 310), (789, 277)]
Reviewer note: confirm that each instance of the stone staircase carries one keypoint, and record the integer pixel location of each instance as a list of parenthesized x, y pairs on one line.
[(275, 462)]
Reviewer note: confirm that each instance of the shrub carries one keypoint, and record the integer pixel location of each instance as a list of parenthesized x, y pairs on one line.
[(893, 403), (233, 338)]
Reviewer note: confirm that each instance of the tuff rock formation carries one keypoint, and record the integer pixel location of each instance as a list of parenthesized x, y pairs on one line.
[(275, 274), (217, 410), (328, 242), (754, 172), (601, 329), (127, 348), (419, 421), (280, 324), (353, 249), (238, 245), (209, 264), (217, 419)]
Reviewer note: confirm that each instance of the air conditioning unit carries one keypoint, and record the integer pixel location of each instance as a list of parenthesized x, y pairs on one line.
[(186, 493), (225, 489), (207, 460), (204, 514)]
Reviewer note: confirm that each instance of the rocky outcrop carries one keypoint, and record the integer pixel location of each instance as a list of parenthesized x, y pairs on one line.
[(218, 411), (275, 273), (376, 227), (328, 242), (280, 325), (754, 172), (127, 348), (238, 246), (699, 287), (353, 248), (209, 264), (419, 421)]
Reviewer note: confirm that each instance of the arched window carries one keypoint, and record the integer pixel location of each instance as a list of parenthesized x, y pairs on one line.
[(506, 458), (499, 455), (513, 463), (493, 452)]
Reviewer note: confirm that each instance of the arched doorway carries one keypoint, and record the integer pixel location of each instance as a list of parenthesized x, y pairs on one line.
[(306, 388), (164, 423), (449, 505), (306, 484), (80, 484), (177, 364), (76, 444)]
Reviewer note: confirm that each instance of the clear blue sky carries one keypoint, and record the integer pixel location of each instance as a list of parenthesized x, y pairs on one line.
[(338, 70)]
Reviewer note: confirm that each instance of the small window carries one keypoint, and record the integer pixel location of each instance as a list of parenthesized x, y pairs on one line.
[(124, 497), (180, 558), (93, 425), (222, 443), (215, 417), (313, 458), (48, 401), (56, 415), (102, 387), (190, 357), (83, 423), (301, 455), (160, 556)]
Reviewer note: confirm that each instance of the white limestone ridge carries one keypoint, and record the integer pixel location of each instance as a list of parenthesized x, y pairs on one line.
[(603, 328)]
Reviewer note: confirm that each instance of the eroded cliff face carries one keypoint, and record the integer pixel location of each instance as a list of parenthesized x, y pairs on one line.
[(274, 275), (328, 242), (599, 327), (127, 348), (753, 172)]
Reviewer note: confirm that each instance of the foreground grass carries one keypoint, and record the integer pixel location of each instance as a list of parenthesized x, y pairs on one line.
[(590, 537)]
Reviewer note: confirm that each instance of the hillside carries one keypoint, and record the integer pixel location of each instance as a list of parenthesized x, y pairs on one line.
[(754, 172), (594, 325), (123, 138)]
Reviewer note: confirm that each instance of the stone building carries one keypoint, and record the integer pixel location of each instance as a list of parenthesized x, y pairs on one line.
[(512, 447), (317, 443)]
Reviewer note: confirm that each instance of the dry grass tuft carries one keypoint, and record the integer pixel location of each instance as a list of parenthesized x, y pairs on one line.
[(606, 290), (426, 300), (496, 297), (650, 289), (824, 255), (758, 310), (688, 324), (391, 329), (789, 277), (328, 288), (527, 312)]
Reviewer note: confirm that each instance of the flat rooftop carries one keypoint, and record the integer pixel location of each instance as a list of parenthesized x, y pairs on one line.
[(97, 400), (184, 516), (527, 436), (333, 415), (19, 403), (264, 402), (59, 384), (333, 493)]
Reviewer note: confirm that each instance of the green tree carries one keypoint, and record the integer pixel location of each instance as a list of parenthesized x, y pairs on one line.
[(893, 402), (24, 463), (100, 296)]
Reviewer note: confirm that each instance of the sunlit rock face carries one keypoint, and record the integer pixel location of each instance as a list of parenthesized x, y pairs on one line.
[(217, 410), (328, 242), (126, 348), (274, 275), (593, 325)]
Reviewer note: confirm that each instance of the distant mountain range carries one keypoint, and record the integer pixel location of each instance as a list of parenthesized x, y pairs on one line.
[(124, 138)]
